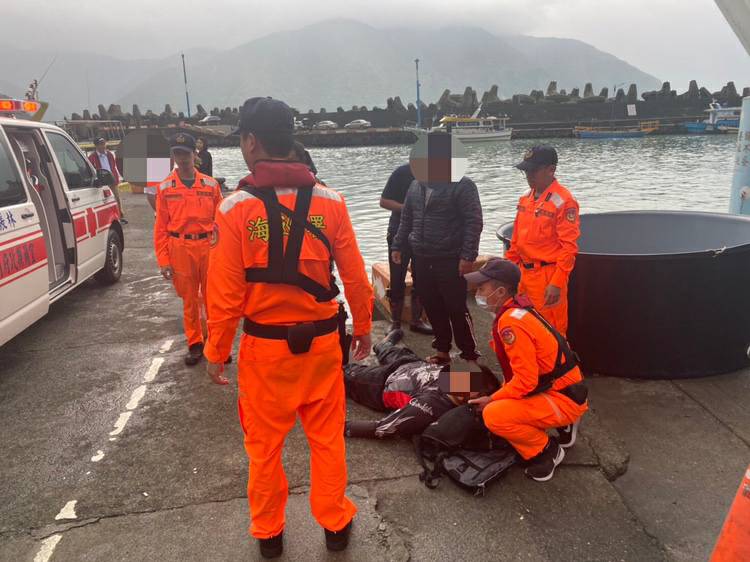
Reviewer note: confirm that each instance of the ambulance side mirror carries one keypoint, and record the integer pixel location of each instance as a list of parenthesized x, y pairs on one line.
[(103, 177)]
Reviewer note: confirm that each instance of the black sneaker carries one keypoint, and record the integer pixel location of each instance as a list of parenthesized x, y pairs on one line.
[(422, 328), (390, 339), (272, 547), (194, 354), (338, 540), (542, 467), (566, 436), (123, 220)]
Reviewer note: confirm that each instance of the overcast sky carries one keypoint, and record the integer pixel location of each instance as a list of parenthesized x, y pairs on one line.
[(674, 40)]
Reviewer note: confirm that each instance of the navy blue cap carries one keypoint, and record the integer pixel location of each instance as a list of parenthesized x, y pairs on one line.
[(265, 115), (182, 141), (537, 157), (498, 269)]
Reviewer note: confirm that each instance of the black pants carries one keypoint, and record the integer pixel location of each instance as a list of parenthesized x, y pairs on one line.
[(365, 383), (442, 291), (397, 290)]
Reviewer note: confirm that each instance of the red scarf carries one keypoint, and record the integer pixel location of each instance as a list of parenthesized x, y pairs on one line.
[(519, 301)]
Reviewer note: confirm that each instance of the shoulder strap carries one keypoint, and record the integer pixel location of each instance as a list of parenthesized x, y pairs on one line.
[(563, 351), (283, 265)]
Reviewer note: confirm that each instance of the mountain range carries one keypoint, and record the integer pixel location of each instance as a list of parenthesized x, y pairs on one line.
[(329, 64)]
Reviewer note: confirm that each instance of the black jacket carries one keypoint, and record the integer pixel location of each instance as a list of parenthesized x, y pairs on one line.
[(449, 224)]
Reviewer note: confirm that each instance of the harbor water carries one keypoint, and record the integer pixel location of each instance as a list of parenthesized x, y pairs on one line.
[(677, 173)]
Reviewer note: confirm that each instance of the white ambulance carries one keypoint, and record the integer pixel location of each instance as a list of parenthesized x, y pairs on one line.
[(59, 220)]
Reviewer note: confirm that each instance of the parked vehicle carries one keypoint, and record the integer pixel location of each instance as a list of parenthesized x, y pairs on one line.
[(358, 124), (210, 120), (59, 220), (325, 125)]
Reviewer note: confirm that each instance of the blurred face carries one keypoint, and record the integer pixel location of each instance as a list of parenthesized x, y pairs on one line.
[(101, 147), (461, 386), (495, 294), (540, 178), (185, 159), (199, 144)]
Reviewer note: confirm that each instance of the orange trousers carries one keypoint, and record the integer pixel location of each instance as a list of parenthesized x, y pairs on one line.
[(533, 284), (189, 262), (523, 422), (275, 387)]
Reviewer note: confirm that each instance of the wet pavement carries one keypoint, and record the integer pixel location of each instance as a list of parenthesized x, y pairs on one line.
[(112, 449)]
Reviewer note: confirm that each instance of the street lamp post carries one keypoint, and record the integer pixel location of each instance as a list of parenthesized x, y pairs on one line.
[(419, 109)]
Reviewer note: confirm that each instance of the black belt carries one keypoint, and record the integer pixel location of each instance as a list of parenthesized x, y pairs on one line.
[(299, 336), (532, 265), (200, 236)]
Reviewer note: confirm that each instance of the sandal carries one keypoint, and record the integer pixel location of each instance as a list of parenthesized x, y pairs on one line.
[(438, 360)]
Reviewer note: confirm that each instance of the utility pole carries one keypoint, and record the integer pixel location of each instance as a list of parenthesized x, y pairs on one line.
[(419, 109), (184, 75)]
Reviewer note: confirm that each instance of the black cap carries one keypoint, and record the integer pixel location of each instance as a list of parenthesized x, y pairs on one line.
[(498, 269), (100, 140), (182, 141), (537, 157), (265, 115)]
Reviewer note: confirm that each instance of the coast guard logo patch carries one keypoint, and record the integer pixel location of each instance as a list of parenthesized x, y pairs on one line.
[(180, 139), (570, 215), (508, 336), (529, 154)]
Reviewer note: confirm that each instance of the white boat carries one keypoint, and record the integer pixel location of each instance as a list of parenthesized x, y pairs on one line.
[(471, 129), (720, 120)]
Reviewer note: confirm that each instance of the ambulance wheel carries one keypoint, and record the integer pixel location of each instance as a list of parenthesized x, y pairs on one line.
[(112, 269)]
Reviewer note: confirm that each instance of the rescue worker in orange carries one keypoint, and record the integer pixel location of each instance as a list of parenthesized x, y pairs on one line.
[(186, 202), (545, 237), (279, 236), (543, 383)]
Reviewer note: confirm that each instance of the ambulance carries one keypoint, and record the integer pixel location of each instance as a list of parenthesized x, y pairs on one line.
[(59, 220)]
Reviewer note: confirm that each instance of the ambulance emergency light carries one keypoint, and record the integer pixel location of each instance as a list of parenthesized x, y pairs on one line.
[(18, 106)]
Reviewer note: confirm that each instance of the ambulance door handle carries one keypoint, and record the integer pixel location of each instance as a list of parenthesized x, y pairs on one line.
[(27, 215), (74, 199)]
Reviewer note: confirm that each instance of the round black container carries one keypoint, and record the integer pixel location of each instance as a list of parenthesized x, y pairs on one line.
[(660, 294)]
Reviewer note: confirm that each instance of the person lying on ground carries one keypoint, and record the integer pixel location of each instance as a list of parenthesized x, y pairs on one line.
[(412, 389)]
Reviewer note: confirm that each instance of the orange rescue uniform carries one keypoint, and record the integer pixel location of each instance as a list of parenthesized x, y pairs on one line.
[(530, 350), (182, 240), (275, 385), (544, 245)]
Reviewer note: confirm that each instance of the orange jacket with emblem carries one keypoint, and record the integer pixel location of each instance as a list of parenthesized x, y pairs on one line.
[(242, 230), (531, 350), (547, 229), (186, 210)]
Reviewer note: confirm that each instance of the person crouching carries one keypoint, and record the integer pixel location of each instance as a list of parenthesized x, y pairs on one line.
[(543, 383)]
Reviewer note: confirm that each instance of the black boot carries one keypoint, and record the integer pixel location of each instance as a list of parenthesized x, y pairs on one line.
[(360, 428), (417, 324), (338, 540), (194, 354), (397, 309), (272, 547)]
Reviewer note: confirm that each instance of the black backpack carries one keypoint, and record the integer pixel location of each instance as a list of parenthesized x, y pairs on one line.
[(460, 446)]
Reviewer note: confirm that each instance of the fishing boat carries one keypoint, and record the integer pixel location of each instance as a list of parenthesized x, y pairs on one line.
[(641, 130), (720, 120), (471, 129)]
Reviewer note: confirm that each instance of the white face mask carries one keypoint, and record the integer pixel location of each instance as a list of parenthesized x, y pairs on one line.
[(482, 301)]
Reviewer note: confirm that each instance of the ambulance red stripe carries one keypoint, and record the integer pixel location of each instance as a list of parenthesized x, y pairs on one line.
[(22, 256)]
